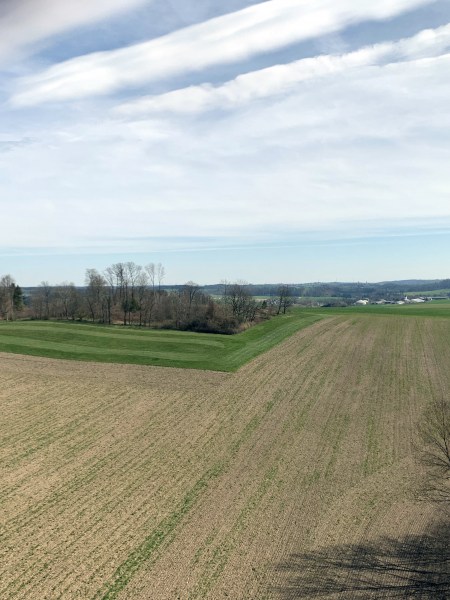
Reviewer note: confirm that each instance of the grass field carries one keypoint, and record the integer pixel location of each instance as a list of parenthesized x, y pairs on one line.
[(117, 344), (101, 343), (443, 292), (294, 477), (437, 308)]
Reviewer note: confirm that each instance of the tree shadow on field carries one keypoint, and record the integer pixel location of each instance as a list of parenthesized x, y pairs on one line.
[(415, 567)]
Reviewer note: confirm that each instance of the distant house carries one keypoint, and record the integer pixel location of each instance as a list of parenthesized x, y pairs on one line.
[(361, 302)]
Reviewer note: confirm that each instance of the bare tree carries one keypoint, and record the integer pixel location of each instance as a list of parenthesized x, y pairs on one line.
[(176, 307), (96, 296), (225, 284), (156, 274), (241, 302), (41, 300), (46, 292), (67, 301), (160, 275), (74, 302), (435, 433), (110, 279), (190, 291), (119, 275), (285, 298), (142, 294), (130, 305), (7, 288), (151, 296)]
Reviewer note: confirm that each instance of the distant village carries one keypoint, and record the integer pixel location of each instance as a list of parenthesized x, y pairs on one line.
[(405, 300)]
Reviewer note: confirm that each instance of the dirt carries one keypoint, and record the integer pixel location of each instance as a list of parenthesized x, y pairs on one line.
[(153, 483)]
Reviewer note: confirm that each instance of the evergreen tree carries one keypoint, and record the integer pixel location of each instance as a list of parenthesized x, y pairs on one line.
[(17, 298)]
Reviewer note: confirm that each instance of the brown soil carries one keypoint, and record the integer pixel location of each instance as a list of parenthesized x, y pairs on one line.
[(151, 483)]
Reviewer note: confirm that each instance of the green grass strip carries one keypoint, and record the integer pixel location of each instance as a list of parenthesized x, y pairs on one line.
[(438, 308), (116, 344)]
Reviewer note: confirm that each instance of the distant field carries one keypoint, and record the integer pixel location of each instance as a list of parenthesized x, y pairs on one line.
[(322, 299), (293, 478), (436, 308), (117, 344), (430, 293)]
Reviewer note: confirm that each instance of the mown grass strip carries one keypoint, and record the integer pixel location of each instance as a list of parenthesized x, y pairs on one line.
[(114, 344)]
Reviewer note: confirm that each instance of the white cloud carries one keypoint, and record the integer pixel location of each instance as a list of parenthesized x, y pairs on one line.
[(280, 78), (25, 22), (366, 147), (258, 29)]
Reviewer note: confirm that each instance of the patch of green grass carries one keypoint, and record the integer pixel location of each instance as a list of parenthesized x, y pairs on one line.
[(436, 308), (115, 344), (322, 299), (443, 292)]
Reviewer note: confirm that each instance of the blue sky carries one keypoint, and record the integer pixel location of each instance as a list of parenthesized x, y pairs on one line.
[(286, 140)]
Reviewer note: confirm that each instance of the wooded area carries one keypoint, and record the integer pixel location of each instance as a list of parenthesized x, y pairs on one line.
[(132, 294)]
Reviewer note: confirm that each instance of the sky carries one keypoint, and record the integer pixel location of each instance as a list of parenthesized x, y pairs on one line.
[(276, 141)]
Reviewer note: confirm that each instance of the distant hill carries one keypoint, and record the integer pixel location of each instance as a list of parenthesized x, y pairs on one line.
[(346, 291)]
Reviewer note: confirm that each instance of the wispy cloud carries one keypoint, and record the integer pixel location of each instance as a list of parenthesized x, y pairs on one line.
[(234, 37), (348, 144), (280, 78), (25, 22), (329, 155)]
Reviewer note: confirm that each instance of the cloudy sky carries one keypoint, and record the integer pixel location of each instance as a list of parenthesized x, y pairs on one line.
[(285, 140)]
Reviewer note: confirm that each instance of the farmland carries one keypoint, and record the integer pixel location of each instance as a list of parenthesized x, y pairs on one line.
[(117, 344), (137, 482), (439, 308), (134, 345)]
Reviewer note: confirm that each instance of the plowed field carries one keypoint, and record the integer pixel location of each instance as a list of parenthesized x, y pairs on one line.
[(147, 483)]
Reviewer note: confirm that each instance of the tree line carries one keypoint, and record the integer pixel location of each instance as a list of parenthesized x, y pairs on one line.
[(132, 294)]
